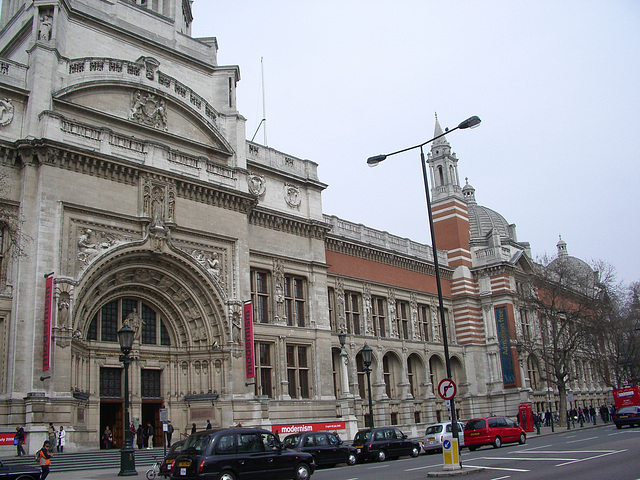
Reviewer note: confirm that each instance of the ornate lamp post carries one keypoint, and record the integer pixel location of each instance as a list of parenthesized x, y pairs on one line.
[(470, 122), (366, 359), (127, 454)]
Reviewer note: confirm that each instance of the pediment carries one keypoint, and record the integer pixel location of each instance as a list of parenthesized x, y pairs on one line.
[(146, 111)]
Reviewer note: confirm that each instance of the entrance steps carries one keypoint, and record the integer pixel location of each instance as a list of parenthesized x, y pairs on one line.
[(92, 460)]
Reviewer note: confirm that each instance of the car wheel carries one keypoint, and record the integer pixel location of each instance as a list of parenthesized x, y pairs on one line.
[(27, 477), (227, 476), (523, 439), (497, 443), (618, 426), (302, 472), (415, 452), (352, 459), (472, 449), (382, 456)]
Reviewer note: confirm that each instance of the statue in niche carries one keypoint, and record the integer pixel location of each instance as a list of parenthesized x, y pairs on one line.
[(157, 207), (46, 23), (171, 206), (63, 310), (279, 302)]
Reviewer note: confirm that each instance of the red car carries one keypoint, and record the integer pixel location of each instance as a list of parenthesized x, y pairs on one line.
[(492, 431)]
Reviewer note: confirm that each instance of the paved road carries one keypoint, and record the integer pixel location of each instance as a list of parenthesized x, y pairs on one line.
[(346, 472)]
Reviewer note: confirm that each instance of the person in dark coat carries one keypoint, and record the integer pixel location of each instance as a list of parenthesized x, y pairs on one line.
[(140, 440), (18, 440), (193, 428), (169, 433)]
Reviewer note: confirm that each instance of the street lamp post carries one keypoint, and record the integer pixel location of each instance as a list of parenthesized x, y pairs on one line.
[(366, 359), (546, 368), (470, 122), (127, 453)]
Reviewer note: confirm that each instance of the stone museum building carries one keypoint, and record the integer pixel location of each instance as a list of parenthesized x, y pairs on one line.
[(129, 195)]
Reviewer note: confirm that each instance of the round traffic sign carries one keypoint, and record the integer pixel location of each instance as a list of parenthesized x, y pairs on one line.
[(447, 389)]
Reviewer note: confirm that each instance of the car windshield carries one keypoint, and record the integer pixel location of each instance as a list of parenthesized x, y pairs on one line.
[(176, 447), (628, 410), (362, 437), (476, 424), (291, 440), (433, 429), (196, 443)]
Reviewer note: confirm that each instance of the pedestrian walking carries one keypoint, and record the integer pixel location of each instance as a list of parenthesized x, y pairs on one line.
[(43, 457), (193, 428), (169, 433), (208, 424), (107, 438), (18, 441), (150, 433), (62, 435)]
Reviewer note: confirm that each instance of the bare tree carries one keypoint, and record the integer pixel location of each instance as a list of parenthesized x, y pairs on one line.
[(566, 294), (615, 339)]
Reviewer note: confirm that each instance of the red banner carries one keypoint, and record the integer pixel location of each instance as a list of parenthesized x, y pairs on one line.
[(307, 427), (249, 350), (46, 337), (6, 438)]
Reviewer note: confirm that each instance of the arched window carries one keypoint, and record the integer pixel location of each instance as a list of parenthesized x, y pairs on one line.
[(440, 175), (105, 324)]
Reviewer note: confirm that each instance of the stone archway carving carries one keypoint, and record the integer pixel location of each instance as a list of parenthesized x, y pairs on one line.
[(194, 306)]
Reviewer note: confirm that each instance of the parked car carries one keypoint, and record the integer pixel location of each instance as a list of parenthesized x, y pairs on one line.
[(19, 472), (437, 433), (238, 454), (326, 447), (627, 416), (492, 431), (167, 464), (381, 443)]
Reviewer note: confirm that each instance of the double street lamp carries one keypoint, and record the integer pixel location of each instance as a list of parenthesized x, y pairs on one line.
[(366, 359), (470, 122), (127, 453)]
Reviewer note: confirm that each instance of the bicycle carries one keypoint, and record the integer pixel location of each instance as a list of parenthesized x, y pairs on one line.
[(154, 470)]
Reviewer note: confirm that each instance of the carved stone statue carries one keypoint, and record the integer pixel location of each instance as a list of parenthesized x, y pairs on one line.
[(135, 322), (46, 22)]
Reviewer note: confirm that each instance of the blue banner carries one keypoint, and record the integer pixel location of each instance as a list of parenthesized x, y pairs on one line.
[(508, 375)]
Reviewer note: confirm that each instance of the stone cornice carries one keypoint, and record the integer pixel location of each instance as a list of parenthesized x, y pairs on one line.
[(42, 152), (281, 222)]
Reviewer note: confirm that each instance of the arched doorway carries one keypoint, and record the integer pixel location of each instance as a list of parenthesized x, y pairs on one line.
[(177, 311)]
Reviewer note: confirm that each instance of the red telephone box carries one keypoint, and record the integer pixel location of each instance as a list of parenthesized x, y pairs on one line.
[(525, 413)]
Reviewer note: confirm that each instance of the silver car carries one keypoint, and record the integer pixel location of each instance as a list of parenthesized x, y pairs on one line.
[(439, 432)]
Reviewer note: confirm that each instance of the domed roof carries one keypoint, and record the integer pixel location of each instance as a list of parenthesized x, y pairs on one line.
[(483, 220), (578, 267)]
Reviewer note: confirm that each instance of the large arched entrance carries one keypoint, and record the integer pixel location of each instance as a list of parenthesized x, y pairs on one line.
[(179, 313)]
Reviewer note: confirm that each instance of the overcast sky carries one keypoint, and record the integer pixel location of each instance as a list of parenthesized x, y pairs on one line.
[(556, 84)]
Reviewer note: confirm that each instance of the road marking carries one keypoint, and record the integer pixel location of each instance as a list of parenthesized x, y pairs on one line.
[(501, 478), (532, 448), (591, 458), (582, 440), (379, 466), (499, 468), (421, 468), (531, 459)]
